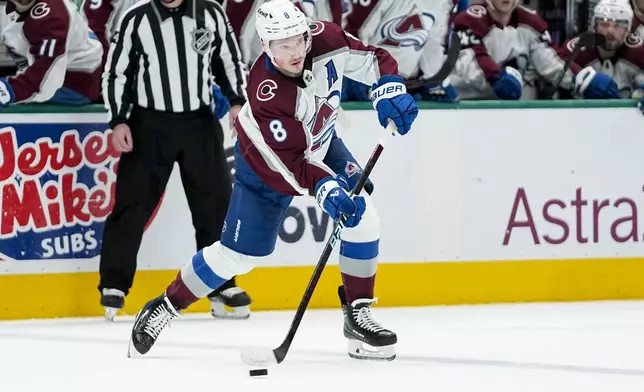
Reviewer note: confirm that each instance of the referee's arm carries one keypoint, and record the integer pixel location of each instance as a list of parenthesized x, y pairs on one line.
[(119, 72), (227, 66)]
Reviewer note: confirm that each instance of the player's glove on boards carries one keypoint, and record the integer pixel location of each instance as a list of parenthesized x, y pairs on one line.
[(591, 84), (391, 100), (639, 94), (508, 84), (222, 106), (332, 196), (7, 96), (440, 92)]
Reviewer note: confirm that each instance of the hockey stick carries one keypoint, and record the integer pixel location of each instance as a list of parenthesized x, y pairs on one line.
[(586, 39), (263, 357), (453, 51)]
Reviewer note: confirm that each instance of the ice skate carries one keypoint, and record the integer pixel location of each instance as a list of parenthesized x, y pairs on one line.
[(232, 303), (367, 338), (112, 300), (148, 324)]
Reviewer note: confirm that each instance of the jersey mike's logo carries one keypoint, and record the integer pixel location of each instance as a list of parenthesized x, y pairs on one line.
[(57, 188), (407, 30)]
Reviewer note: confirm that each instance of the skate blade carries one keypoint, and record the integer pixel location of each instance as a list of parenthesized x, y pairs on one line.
[(219, 311), (131, 351), (364, 351), (110, 313)]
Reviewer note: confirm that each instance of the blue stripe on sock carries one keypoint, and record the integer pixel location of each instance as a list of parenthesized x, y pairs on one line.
[(359, 250), (205, 273)]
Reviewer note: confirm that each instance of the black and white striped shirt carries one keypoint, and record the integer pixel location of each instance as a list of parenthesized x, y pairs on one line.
[(165, 59)]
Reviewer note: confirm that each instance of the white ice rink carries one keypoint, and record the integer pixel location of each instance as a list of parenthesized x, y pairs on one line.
[(580, 347)]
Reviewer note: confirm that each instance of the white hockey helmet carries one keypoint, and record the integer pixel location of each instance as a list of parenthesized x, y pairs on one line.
[(279, 19), (613, 10)]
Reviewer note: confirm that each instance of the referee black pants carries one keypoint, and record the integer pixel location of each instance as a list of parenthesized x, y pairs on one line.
[(195, 141)]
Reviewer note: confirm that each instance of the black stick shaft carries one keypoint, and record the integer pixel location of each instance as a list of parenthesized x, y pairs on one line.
[(282, 350)]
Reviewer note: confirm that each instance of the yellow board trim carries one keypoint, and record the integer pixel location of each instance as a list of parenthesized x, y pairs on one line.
[(409, 284)]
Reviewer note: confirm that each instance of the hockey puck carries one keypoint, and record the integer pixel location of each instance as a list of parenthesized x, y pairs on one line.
[(258, 372)]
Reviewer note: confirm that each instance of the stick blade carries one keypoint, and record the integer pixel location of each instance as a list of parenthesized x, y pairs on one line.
[(259, 356)]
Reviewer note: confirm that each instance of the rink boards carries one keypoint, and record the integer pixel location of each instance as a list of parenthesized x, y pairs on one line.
[(493, 202)]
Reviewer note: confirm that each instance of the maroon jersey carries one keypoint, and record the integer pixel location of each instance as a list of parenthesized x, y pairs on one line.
[(287, 124), (52, 47), (625, 65), (523, 44), (103, 17)]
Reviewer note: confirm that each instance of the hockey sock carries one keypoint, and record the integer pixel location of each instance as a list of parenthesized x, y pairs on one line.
[(358, 264), (195, 280)]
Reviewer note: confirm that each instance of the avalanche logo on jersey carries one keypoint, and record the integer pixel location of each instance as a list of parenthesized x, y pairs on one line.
[(322, 125), (407, 30)]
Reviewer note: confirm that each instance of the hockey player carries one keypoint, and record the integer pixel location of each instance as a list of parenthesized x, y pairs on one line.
[(505, 48), (638, 21), (241, 14), (622, 57), (102, 18), (413, 31), (57, 56), (287, 147)]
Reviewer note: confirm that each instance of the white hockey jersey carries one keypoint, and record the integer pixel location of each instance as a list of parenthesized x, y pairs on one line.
[(524, 44), (52, 48), (413, 31)]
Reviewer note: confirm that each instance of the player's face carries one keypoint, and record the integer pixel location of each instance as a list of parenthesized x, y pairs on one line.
[(289, 53), (504, 5), (614, 31)]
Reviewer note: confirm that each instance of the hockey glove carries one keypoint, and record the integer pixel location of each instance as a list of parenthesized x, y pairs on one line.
[(639, 94), (391, 100), (461, 5), (7, 96), (354, 91), (444, 92), (331, 195), (508, 84), (591, 84), (222, 106)]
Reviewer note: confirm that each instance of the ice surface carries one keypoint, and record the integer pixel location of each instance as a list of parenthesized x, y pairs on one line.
[(572, 347)]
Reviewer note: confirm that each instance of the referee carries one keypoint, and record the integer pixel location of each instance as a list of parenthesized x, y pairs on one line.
[(161, 65)]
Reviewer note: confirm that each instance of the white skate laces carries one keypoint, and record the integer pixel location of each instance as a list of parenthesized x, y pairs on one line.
[(159, 319), (363, 317)]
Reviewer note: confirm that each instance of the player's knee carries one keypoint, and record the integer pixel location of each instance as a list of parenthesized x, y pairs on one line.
[(368, 229), (227, 263)]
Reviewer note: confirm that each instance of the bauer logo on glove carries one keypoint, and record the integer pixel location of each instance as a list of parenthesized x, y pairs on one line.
[(391, 100)]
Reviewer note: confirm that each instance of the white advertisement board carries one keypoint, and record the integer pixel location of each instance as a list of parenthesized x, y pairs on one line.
[(472, 185)]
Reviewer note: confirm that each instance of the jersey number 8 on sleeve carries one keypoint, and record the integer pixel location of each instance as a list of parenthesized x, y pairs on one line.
[(277, 129)]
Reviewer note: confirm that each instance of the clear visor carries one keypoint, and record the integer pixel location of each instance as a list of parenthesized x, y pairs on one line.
[(291, 48), (604, 24)]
